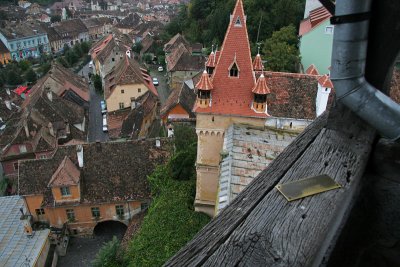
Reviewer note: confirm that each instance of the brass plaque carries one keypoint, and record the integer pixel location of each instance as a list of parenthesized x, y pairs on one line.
[(307, 187)]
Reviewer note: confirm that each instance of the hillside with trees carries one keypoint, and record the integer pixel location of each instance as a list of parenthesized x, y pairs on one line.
[(205, 21)]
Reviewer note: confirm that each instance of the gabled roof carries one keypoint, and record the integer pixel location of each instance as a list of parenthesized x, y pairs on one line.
[(324, 81), (316, 17), (181, 59), (312, 70), (71, 27), (127, 71), (66, 174), (175, 42), (232, 95), (68, 81), (122, 166), (184, 97), (131, 21)]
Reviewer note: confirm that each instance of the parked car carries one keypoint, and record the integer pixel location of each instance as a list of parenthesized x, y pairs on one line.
[(105, 126), (160, 69), (155, 81), (103, 107)]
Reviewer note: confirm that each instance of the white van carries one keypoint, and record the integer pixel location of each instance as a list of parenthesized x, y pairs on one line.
[(105, 127)]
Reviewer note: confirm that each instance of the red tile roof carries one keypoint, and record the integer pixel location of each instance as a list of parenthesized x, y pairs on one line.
[(292, 95), (316, 17), (232, 95), (204, 83), (257, 64), (312, 70), (261, 87), (211, 60), (127, 71), (66, 174), (325, 81)]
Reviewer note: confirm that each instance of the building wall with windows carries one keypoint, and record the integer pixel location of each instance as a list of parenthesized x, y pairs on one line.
[(316, 47), (25, 47), (82, 217), (122, 94)]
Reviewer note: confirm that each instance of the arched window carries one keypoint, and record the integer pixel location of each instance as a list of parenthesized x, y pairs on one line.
[(234, 71)]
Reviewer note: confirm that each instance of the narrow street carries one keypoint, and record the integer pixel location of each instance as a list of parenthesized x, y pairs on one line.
[(82, 251), (95, 117), (162, 88)]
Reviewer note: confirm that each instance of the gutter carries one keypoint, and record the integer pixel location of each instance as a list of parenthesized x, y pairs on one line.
[(349, 54)]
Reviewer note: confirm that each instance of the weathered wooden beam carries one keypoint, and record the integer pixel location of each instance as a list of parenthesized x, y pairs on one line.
[(260, 228)]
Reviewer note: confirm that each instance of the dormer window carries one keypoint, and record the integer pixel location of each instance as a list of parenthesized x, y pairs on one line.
[(237, 22), (65, 191), (234, 71)]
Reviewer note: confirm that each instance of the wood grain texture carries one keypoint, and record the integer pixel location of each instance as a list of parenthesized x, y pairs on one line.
[(260, 228)]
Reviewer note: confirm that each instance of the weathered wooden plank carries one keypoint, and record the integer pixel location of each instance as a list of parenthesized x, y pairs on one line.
[(281, 233), (204, 244)]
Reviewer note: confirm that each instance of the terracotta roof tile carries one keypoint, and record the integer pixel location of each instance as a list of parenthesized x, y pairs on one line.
[(183, 96), (211, 60), (257, 64), (292, 95), (66, 174), (114, 171), (205, 83), (261, 87), (232, 95), (324, 81), (312, 70), (127, 71), (316, 17)]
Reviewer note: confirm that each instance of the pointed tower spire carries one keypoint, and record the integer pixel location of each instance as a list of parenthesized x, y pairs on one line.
[(210, 64), (204, 87), (233, 77), (257, 63), (260, 91)]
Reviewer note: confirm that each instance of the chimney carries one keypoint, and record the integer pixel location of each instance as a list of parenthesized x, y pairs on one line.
[(28, 228), (79, 153), (49, 95), (128, 53), (98, 146), (51, 129), (8, 104)]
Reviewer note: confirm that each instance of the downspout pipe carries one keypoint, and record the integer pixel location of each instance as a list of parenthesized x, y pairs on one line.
[(349, 53)]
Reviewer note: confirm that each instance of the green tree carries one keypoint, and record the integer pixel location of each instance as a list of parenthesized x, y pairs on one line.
[(30, 75), (108, 254), (281, 51), (14, 78), (24, 65), (97, 83), (137, 47), (55, 18), (77, 50), (85, 47), (71, 57), (147, 58)]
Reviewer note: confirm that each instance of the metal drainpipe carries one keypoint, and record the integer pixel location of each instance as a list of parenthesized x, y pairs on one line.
[(348, 67)]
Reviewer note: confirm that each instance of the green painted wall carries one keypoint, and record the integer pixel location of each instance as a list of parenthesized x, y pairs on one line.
[(316, 48)]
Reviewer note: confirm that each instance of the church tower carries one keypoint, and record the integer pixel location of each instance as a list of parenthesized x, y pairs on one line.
[(227, 93)]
